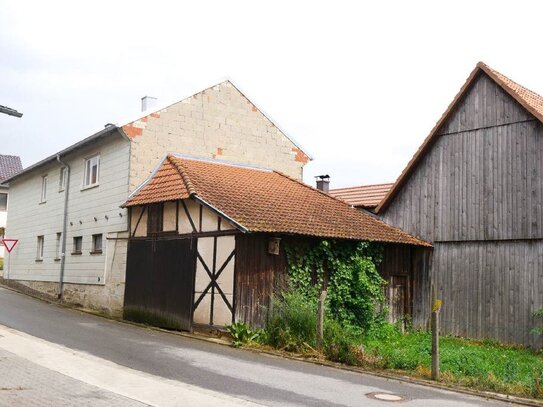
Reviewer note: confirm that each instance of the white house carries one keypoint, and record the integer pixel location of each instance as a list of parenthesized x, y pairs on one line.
[(9, 166), (66, 208)]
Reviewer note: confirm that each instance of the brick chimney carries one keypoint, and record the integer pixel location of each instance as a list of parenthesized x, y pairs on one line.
[(323, 183)]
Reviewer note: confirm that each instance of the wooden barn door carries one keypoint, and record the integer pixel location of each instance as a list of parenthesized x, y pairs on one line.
[(214, 283), (160, 282), (398, 290)]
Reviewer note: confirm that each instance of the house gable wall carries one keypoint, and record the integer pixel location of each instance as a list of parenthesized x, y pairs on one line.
[(217, 123)]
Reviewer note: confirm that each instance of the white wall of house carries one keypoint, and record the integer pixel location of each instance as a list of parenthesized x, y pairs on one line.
[(93, 210), (3, 219)]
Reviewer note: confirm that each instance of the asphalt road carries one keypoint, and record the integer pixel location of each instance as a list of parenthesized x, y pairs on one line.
[(246, 375)]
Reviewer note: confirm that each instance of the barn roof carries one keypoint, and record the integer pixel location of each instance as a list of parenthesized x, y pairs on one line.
[(531, 101), (262, 200), (364, 196)]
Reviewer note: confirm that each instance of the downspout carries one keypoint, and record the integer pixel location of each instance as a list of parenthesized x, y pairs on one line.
[(64, 227)]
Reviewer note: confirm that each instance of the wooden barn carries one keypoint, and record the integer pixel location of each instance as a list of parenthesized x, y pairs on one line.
[(207, 238), (474, 190)]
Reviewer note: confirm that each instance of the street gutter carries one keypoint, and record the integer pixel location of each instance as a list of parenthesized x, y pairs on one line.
[(219, 341)]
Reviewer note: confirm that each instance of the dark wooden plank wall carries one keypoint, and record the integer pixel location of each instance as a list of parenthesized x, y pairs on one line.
[(413, 262), (478, 185), (477, 195), (257, 273), (490, 289)]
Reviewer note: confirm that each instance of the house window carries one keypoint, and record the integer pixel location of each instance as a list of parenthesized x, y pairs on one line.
[(155, 218), (43, 188), (39, 251), (3, 202), (62, 179), (96, 243), (57, 247), (78, 244), (92, 171)]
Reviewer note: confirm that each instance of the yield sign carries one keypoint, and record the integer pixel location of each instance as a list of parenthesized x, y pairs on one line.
[(9, 244)]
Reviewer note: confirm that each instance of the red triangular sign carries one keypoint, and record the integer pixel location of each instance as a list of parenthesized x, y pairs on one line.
[(9, 244)]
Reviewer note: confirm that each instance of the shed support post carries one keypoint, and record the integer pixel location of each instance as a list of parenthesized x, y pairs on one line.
[(320, 319)]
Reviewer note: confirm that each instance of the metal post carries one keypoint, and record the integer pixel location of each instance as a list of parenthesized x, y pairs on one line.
[(320, 319)]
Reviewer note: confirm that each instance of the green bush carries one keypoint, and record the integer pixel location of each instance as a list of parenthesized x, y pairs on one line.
[(292, 322), (341, 342)]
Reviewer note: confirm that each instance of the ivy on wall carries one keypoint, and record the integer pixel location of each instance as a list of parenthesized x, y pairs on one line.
[(348, 271)]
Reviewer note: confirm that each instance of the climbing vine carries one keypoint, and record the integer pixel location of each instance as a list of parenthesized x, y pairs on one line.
[(348, 269)]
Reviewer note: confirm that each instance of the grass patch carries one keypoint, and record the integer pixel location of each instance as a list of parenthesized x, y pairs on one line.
[(1, 263), (482, 365)]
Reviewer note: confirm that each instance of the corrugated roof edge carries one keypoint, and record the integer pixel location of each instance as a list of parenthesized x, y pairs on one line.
[(67, 150)]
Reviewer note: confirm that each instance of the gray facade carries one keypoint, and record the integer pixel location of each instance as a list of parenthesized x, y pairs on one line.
[(475, 192)]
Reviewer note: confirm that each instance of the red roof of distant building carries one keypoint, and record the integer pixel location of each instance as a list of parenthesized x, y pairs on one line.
[(365, 196), (9, 166), (262, 200)]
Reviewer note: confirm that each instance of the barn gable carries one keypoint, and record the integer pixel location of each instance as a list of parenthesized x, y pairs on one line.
[(476, 176), (487, 103), (474, 190), (484, 104)]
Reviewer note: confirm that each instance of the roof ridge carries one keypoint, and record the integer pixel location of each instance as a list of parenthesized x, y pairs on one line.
[(219, 161), (363, 186), (184, 176)]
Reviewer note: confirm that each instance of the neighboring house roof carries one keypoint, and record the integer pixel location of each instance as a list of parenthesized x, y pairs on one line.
[(127, 128), (364, 196), (262, 200), (531, 101), (9, 166), (102, 133)]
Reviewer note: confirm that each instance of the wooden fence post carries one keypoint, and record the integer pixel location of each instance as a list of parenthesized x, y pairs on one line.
[(436, 307), (320, 319)]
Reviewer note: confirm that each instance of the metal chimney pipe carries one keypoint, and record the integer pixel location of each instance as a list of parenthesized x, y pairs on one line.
[(323, 183), (147, 103)]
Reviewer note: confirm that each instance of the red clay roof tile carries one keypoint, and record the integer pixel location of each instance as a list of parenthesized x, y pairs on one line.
[(365, 196), (262, 200)]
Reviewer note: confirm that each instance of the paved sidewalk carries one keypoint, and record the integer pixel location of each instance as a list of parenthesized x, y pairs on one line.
[(23, 383)]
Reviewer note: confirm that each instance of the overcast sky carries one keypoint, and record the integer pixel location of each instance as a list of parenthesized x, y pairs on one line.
[(358, 86)]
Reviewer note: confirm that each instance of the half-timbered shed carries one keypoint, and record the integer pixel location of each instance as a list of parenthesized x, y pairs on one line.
[(474, 190), (206, 243)]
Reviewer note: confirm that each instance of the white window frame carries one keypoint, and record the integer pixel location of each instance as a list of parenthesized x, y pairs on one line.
[(88, 169), (39, 249), (43, 197), (62, 179)]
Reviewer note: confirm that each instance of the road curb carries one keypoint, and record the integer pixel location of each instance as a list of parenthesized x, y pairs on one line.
[(390, 376)]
